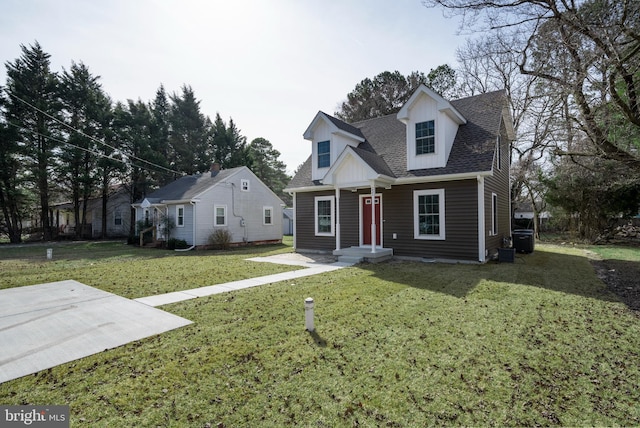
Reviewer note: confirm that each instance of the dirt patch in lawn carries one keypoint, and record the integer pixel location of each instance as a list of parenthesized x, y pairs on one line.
[(622, 278)]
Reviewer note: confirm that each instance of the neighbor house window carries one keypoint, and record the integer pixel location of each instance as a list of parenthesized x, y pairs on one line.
[(146, 216), (324, 154), (425, 137), (117, 218), (180, 216), (244, 185), (428, 214), (267, 215), (220, 215), (494, 214), (324, 208)]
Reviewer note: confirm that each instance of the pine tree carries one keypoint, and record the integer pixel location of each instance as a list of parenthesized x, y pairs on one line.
[(190, 133), (32, 104), (84, 104)]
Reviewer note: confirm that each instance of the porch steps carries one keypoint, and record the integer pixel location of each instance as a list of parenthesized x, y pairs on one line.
[(363, 254), (352, 260)]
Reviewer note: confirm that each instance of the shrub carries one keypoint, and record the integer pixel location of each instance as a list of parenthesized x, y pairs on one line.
[(220, 239), (177, 244)]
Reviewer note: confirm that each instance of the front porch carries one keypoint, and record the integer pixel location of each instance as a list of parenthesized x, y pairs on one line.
[(363, 254)]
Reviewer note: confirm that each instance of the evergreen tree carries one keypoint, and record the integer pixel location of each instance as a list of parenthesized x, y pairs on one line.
[(387, 92), (229, 146), (132, 122), (160, 133), (190, 133), (85, 104), (265, 163), (11, 187), (32, 104)]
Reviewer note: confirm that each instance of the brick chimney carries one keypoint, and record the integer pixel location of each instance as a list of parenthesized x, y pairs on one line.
[(215, 169)]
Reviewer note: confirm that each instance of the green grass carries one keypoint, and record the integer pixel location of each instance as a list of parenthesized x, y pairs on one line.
[(616, 252), (537, 342), (132, 272)]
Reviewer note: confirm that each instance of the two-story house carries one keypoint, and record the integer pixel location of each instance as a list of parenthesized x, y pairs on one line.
[(430, 182)]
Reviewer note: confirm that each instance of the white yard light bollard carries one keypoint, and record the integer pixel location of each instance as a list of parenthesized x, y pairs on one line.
[(308, 313), (49, 253)]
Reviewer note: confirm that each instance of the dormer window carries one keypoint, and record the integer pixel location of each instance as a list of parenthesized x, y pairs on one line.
[(324, 154), (425, 137)]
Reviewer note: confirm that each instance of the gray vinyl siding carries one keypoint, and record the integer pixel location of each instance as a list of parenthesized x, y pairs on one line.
[(498, 184), (461, 220), (305, 224), (349, 219)]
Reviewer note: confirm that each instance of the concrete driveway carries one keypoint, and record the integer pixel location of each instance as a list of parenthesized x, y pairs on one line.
[(42, 326)]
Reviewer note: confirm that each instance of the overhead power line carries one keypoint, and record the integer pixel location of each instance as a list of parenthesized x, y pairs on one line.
[(122, 161), (88, 136)]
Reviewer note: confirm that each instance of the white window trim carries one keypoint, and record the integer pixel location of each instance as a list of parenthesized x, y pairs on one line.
[(215, 215), (245, 185), (264, 216), (416, 222), (494, 215), (435, 139), (333, 217), (178, 207)]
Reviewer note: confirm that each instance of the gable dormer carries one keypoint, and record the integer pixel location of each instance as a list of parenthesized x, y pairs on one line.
[(432, 123), (329, 137)]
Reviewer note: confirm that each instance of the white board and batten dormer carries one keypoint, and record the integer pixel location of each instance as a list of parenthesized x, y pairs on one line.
[(329, 141), (432, 123)]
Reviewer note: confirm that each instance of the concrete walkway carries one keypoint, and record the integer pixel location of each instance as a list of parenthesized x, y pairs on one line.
[(313, 265)]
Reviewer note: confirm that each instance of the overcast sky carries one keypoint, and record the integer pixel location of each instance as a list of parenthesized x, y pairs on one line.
[(268, 64)]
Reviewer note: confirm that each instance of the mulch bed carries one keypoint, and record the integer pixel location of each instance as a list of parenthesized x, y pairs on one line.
[(622, 279)]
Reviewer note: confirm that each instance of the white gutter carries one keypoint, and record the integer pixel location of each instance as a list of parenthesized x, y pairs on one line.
[(403, 180)]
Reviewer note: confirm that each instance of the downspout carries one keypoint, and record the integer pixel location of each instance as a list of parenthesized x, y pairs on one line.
[(295, 235), (337, 218), (243, 224), (481, 234)]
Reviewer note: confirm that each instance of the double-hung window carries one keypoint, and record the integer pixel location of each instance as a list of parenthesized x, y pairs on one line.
[(494, 214), (324, 154), (220, 213), (324, 209), (180, 216), (267, 215), (428, 214), (425, 137)]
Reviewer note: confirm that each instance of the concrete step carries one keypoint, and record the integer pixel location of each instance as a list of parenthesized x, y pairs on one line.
[(350, 259)]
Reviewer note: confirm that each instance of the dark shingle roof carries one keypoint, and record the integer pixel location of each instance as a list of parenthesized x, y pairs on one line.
[(384, 148), (189, 186), (344, 125)]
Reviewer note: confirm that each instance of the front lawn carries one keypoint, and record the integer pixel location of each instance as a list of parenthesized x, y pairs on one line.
[(537, 342), (130, 271)]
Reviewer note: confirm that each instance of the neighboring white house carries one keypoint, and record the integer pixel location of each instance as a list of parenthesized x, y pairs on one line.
[(234, 199), (287, 221)]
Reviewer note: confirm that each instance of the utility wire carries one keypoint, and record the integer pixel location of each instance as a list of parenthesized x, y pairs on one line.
[(80, 148), (89, 136)]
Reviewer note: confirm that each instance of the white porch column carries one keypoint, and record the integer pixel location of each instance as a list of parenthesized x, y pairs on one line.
[(373, 218), (337, 218)]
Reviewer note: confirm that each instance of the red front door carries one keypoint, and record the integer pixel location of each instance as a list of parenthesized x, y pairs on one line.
[(366, 220)]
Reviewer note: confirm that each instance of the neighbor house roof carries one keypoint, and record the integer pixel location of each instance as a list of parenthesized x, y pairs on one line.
[(384, 148), (189, 186)]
